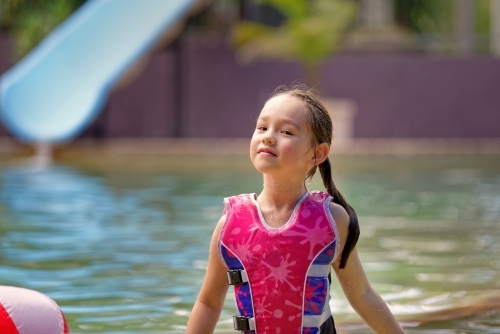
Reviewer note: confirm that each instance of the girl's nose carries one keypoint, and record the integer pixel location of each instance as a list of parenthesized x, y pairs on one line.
[(268, 139)]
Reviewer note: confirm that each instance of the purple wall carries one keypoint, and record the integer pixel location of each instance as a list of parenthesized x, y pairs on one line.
[(144, 108), (398, 96), (417, 96)]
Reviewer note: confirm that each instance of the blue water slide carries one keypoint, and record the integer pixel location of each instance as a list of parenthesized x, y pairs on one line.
[(54, 92)]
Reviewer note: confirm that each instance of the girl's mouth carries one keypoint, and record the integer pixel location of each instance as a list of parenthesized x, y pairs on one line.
[(266, 151)]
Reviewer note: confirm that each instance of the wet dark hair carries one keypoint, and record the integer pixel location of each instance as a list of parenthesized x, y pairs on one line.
[(320, 124)]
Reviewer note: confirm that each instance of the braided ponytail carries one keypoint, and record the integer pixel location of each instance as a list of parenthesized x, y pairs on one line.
[(321, 127)]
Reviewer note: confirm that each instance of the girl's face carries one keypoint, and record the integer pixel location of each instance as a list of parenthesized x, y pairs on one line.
[(281, 141)]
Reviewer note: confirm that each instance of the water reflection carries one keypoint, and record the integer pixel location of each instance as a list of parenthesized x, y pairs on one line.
[(113, 258), (126, 252)]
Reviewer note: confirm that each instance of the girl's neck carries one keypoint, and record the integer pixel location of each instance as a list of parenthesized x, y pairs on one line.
[(282, 193), (279, 198)]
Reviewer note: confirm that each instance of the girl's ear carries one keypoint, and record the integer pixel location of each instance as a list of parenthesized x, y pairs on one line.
[(320, 154)]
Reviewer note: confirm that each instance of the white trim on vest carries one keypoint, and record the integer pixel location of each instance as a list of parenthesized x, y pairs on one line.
[(326, 206), (319, 270), (290, 220)]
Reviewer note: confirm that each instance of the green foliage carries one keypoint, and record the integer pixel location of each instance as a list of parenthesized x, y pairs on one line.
[(426, 16), (29, 21), (439, 16), (290, 8), (482, 17), (312, 31), (437, 22)]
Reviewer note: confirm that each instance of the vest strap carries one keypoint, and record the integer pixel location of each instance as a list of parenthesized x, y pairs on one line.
[(243, 324), (237, 276)]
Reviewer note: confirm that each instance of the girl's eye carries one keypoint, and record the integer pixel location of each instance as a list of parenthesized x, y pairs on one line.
[(288, 133), (261, 128)]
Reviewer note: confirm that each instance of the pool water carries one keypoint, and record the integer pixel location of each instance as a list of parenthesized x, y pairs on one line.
[(121, 244)]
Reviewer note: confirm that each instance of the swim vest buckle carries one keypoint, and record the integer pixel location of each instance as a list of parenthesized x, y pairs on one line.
[(236, 276), (243, 324)]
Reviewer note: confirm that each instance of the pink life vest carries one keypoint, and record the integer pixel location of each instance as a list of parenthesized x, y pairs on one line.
[(284, 271)]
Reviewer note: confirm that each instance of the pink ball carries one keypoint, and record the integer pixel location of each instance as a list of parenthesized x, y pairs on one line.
[(24, 311)]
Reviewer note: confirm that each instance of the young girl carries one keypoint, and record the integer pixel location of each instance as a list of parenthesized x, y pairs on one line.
[(276, 248)]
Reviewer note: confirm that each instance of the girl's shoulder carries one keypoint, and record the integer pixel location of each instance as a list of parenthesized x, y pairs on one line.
[(245, 197), (220, 223), (341, 218)]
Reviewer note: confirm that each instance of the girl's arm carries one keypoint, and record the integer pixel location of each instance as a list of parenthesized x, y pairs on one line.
[(367, 303), (208, 306)]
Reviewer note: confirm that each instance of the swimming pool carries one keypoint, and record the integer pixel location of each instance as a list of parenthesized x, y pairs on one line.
[(121, 242)]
